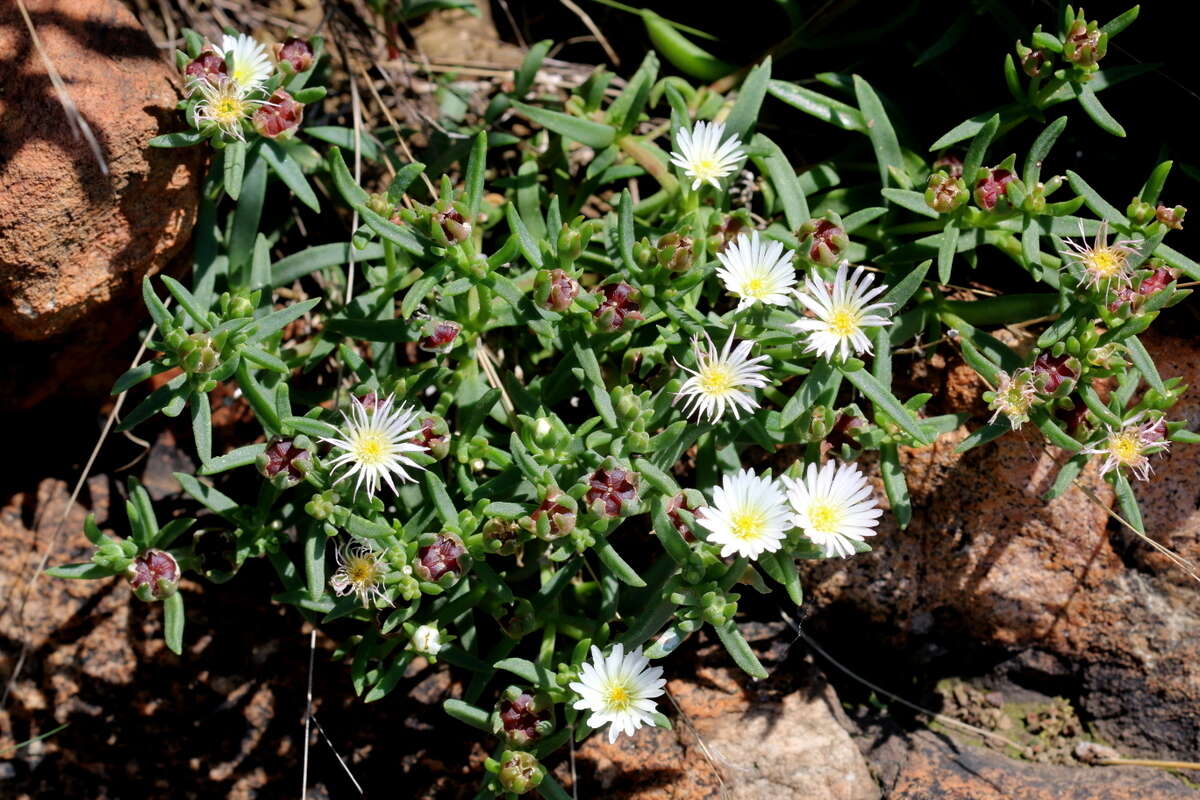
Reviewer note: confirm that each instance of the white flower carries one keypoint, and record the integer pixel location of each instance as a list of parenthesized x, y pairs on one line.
[(748, 515), (757, 270), (841, 315), (1131, 447), (1014, 397), (724, 378), (360, 571), (1102, 263), (374, 444), (427, 640), (834, 507), (224, 105), (703, 157), (617, 689), (249, 64)]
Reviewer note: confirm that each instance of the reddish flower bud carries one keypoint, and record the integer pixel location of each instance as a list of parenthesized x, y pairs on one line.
[(445, 556), (1171, 217), (555, 289), (560, 517), (208, 66), (524, 717), (825, 241), (1054, 369), (283, 457), (370, 401), (949, 163), (729, 229), (675, 252), (618, 305), (1084, 44), (441, 337), (988, 190), (434, 437), (453, 224), (279, 117), (843, 431), (154, 575), (613, 488), (1157, 281), (676, 503), (1123, 295), (296, 52)]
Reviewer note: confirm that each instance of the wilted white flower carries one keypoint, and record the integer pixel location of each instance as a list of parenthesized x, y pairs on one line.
[(359, 570), (721, 378), (841, 314), (1014, 397), (703, 157), (374, 443), (834, 507), (1103, 263), (249, 64), (617, 689), (1131, 446), (427, 640), (757, 270), (224, 105), (748, 516)]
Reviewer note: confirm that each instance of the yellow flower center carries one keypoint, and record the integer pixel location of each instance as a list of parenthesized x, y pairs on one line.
[(1125, 447), (843, 321), (1014, 400), (1105, 262), (361, 570), (370, 448), (747, 525), (717, 379), (619, 697), (704, 168), (756, 286), (824, 516)]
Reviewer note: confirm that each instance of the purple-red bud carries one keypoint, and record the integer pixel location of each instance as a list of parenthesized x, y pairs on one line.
[(445, 556), (208, 66), (154, 575), (989, 189), (296, 52), (441, 336), (1054, 369), (613, 488), (618, 305), (279, 117), (282, 457)]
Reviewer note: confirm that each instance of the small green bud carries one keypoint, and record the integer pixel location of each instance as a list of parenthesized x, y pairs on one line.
[(1140, 212), (520, 771)]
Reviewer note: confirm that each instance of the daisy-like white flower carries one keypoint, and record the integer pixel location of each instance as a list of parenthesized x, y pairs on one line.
[(1104, 264), (757, 270), (374, 443), (702, 155), (359, 570), (749, 515), (1014, 397), (618, 690), (1131, 446), (834, 507), (224, 105), (248, 62), (724, 378), (841, 313)]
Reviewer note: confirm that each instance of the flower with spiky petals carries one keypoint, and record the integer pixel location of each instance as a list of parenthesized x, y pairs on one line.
[(618, 689), (702, 155), (1131, 446), (1105, 265), (724, 378), (1014, 396), (224, 105), (249, 64), (834, 507), (359, 570), (841, 313), (748, 515), (757, 271), (374, 443)]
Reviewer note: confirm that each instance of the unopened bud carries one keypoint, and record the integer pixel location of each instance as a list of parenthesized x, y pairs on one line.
[(380, 204), (1085, 44), (1171, 217), (523, 717), (439, 336), (727, 230), (560, 518), (1051, 372), (520, 771), (674, 506), (279, 117), (675, 252), (296, 52), (502, 537), (446, 555), (990, 188), (434, 436), (199, 354), (944, 194), (1033, 62), (824, 241), (208, 66), (619, 304), (154, 575), (555, 289), (454, 225), (611, 491), (1140, 212), (283, 461)]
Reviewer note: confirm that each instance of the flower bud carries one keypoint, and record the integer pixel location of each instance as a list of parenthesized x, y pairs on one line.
[(842, 432), (208, 66), (296, 52), (426, 640), (555, 289), (446, 555), (619, 304), (284, 462), (198, 354), (453, 224), (502, 537), (321, 506), (681, 502), (520, 772), (154, 575), (434, 436), (1033, 62), (570, 243), (518, 621), (611, 491), (279, 117), (949, 163), (523, 717), (1085, 44), (1052, 371), (1171, 217), (1157, 281), (675, 252), (439, 336), (944, 194), (989, 189), (825, 241), (560, 518), (380, 204), (1140, 212), (727, 230)]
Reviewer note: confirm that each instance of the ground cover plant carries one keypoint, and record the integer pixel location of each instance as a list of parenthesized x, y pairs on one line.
[(547, 415)]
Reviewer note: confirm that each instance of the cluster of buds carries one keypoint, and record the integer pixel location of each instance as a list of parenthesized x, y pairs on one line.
[(554, 289), (554, 517), (573, 238), (612, 492), (634, 413), (1084, 44), (442, 559), (153, 576), (944, 193), (618, 307), (704, 603), (238, 305), (823, 241), (286, 461), (114, 555), (523, 717)]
